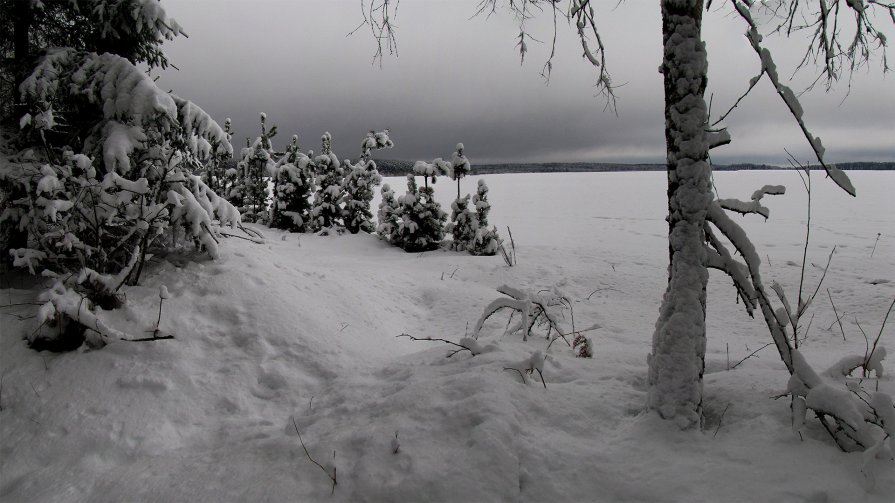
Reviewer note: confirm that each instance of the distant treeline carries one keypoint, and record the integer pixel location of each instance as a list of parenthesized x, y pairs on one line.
[(389, 167)]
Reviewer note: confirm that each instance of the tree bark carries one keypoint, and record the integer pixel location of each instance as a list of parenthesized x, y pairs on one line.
[(677, 361)]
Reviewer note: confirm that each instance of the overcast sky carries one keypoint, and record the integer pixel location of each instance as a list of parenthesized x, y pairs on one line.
[(460, 79)]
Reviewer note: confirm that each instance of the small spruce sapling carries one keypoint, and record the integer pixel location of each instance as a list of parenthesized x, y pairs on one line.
[(422, 219), (360, 182), (293, 186), (487, 241), (256, 169), (326, 212), (459, 166), (463, 226), (389, 215)]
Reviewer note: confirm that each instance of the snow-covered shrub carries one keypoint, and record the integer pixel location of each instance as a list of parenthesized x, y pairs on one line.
[(459, 166), (487, 241), (216, 165), (463, 225), (255, 168), (359, 185), (293, 186), (544, 307), (360, 182), (389, 215), (326, 212), (854, 417), (95, 213), (421, 223)]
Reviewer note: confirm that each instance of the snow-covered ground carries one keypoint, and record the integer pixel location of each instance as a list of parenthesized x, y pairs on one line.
[(302, 328)]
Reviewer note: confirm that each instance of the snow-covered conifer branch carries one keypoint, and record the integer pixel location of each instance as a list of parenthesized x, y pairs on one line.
[(789, 98), (719, 257), (753, 206)]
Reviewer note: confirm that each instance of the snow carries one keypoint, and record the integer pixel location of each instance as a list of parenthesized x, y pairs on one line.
[(305, 327)]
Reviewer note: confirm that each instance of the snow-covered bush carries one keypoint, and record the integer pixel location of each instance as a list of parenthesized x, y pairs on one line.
[(487, 241), (112, 183), (463, 226), (255, 168), (359, 185), (535, 308), (459, 166), (326, 213), (360, 182), (421, 222), (389, 215), (293, 186), (856, 419), (216, 165)]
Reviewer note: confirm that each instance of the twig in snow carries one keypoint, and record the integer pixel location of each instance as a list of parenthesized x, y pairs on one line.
[(251, 232), (509, 256), (210, 234), (720, 421), (874, 245), (750, 355), (150, 339), (156, 333), (331, 472), (253, 240), (520, 374), (461, 346), (600, 290), (869, 355), (838, 318)]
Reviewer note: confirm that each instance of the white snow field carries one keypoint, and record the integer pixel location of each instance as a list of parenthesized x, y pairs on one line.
[(304, 328)]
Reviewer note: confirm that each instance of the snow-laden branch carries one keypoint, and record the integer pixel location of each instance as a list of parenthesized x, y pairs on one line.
[(769, 68), (753, 206)]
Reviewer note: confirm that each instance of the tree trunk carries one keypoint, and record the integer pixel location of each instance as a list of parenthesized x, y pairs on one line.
[(677, 361)]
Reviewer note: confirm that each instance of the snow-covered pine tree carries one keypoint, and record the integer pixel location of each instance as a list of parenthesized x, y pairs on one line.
[(214, 174), (421, 224), (293, 187), (255, 168), (459, 166), (389, 216), (111, 180), (463, 226), (463, 223), (360, 183), (326, 213), (358, 187), (487, 241)]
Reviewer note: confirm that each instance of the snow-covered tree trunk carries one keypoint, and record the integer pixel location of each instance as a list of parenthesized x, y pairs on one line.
[(677, 361)]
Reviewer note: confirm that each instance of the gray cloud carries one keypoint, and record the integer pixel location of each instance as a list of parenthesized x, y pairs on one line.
[(457, 79)]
